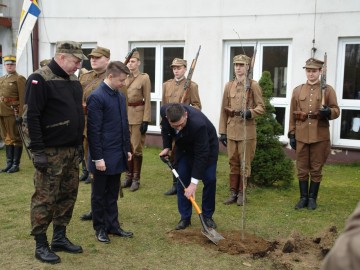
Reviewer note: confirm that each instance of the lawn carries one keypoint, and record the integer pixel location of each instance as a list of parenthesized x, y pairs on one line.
[(151, 216)]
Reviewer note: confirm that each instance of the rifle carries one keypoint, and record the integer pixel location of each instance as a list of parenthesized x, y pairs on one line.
[(189, 76), (19, 127), (127, 58), (323, 81)]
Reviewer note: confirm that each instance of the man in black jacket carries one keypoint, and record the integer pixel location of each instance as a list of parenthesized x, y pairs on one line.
[(196, 154), (55, 120)]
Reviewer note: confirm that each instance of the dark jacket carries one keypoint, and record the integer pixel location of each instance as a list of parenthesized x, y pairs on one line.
[(198, 139), (54, 100), (108, 129)]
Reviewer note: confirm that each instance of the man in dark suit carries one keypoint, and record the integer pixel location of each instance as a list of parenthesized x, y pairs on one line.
[(196, 154), (109, 149)]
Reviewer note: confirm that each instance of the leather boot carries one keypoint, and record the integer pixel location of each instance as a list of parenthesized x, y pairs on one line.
[(240, 197), (85, 172), (173, 189), (61, 243), (42, 250), (232, 198), (136, 173), (128, 174), (313, 192), (303, 202), (9, 157), (16, 159), (234, 180)]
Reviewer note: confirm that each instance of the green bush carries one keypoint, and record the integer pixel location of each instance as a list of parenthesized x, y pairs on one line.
[(270, 166)]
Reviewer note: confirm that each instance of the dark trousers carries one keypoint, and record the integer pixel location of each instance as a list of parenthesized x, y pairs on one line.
[(104, 196), (209, 189)]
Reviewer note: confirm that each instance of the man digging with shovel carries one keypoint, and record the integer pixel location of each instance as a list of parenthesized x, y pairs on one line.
[(196, 154)]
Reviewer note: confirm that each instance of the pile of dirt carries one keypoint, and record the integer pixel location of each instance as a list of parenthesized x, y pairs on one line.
[(296, 251)]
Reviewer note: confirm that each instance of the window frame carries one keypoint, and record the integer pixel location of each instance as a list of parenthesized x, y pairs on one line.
[(344, 104), (257, 71), (156, 96)]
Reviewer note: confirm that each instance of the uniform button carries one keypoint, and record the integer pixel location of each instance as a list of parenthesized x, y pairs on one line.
[(309, 105)]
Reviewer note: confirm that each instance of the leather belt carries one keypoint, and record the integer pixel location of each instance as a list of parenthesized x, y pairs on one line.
[(9, 99), (238, 113), (312, 116), (134, 104)]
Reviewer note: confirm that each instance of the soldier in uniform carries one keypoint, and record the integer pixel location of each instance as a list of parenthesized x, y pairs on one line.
[(237, 126), (311, 109), (173, 92), (55, 119), (12, 95), (90, 80), (139, 112)]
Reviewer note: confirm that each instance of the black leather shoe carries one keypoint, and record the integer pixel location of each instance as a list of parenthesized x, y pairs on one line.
[(171, 191), (210, 223), (87, 216), (183, 224), (88, 180), (102, 236), (120, 232)]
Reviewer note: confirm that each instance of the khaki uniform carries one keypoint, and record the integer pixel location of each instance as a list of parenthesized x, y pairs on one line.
[(345, 254), (89, 82), (139, 108), (312, 133), (234, 127), (173, 92), (12, 93)]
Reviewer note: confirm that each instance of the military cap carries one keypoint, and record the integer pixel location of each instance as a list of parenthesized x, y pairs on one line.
[(136, 55), (44, 62), (241, 59), (178, 62), (70, 47), (313, 63), (100, 51), (9, 59)]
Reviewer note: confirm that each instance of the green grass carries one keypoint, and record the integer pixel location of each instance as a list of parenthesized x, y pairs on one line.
[(150, 215)]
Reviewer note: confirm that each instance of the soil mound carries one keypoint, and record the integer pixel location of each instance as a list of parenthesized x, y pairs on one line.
[(294, 252)]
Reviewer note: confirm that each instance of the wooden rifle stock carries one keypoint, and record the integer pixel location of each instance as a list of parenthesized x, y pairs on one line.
[(128, 57), (189, 76), (323, 81)]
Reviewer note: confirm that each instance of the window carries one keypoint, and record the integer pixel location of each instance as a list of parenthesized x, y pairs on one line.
[(272, 56), (156, 59), (347, 127)]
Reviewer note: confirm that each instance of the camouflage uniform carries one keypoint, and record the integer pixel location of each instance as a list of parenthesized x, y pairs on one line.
[(12, 94), (240, 132), (55, 122)]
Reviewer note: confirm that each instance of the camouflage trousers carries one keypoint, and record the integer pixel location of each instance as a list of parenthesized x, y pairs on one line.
[(56, 190)]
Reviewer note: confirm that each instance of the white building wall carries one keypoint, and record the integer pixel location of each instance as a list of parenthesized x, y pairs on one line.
[(116, 23)]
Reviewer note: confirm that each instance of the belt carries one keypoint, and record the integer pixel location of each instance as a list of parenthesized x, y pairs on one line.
[(9, 99), (238, 113), (312, 116), (134, 104)]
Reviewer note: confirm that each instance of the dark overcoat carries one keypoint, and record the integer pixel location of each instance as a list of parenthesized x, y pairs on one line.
[(107, 129)]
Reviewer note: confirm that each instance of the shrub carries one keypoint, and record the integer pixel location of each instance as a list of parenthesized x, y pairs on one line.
[(270, 166)]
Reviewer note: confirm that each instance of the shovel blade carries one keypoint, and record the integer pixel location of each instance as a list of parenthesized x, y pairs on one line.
[(212, 235)]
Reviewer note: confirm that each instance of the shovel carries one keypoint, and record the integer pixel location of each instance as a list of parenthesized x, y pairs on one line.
[(210, 233)]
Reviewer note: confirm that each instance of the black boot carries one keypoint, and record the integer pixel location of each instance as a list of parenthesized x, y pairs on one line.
[(85, 172), (42, 250), (16, 159), (9, 157), (313, 192), (303, 202), (173, 189), (87, 216), (61, 243)]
